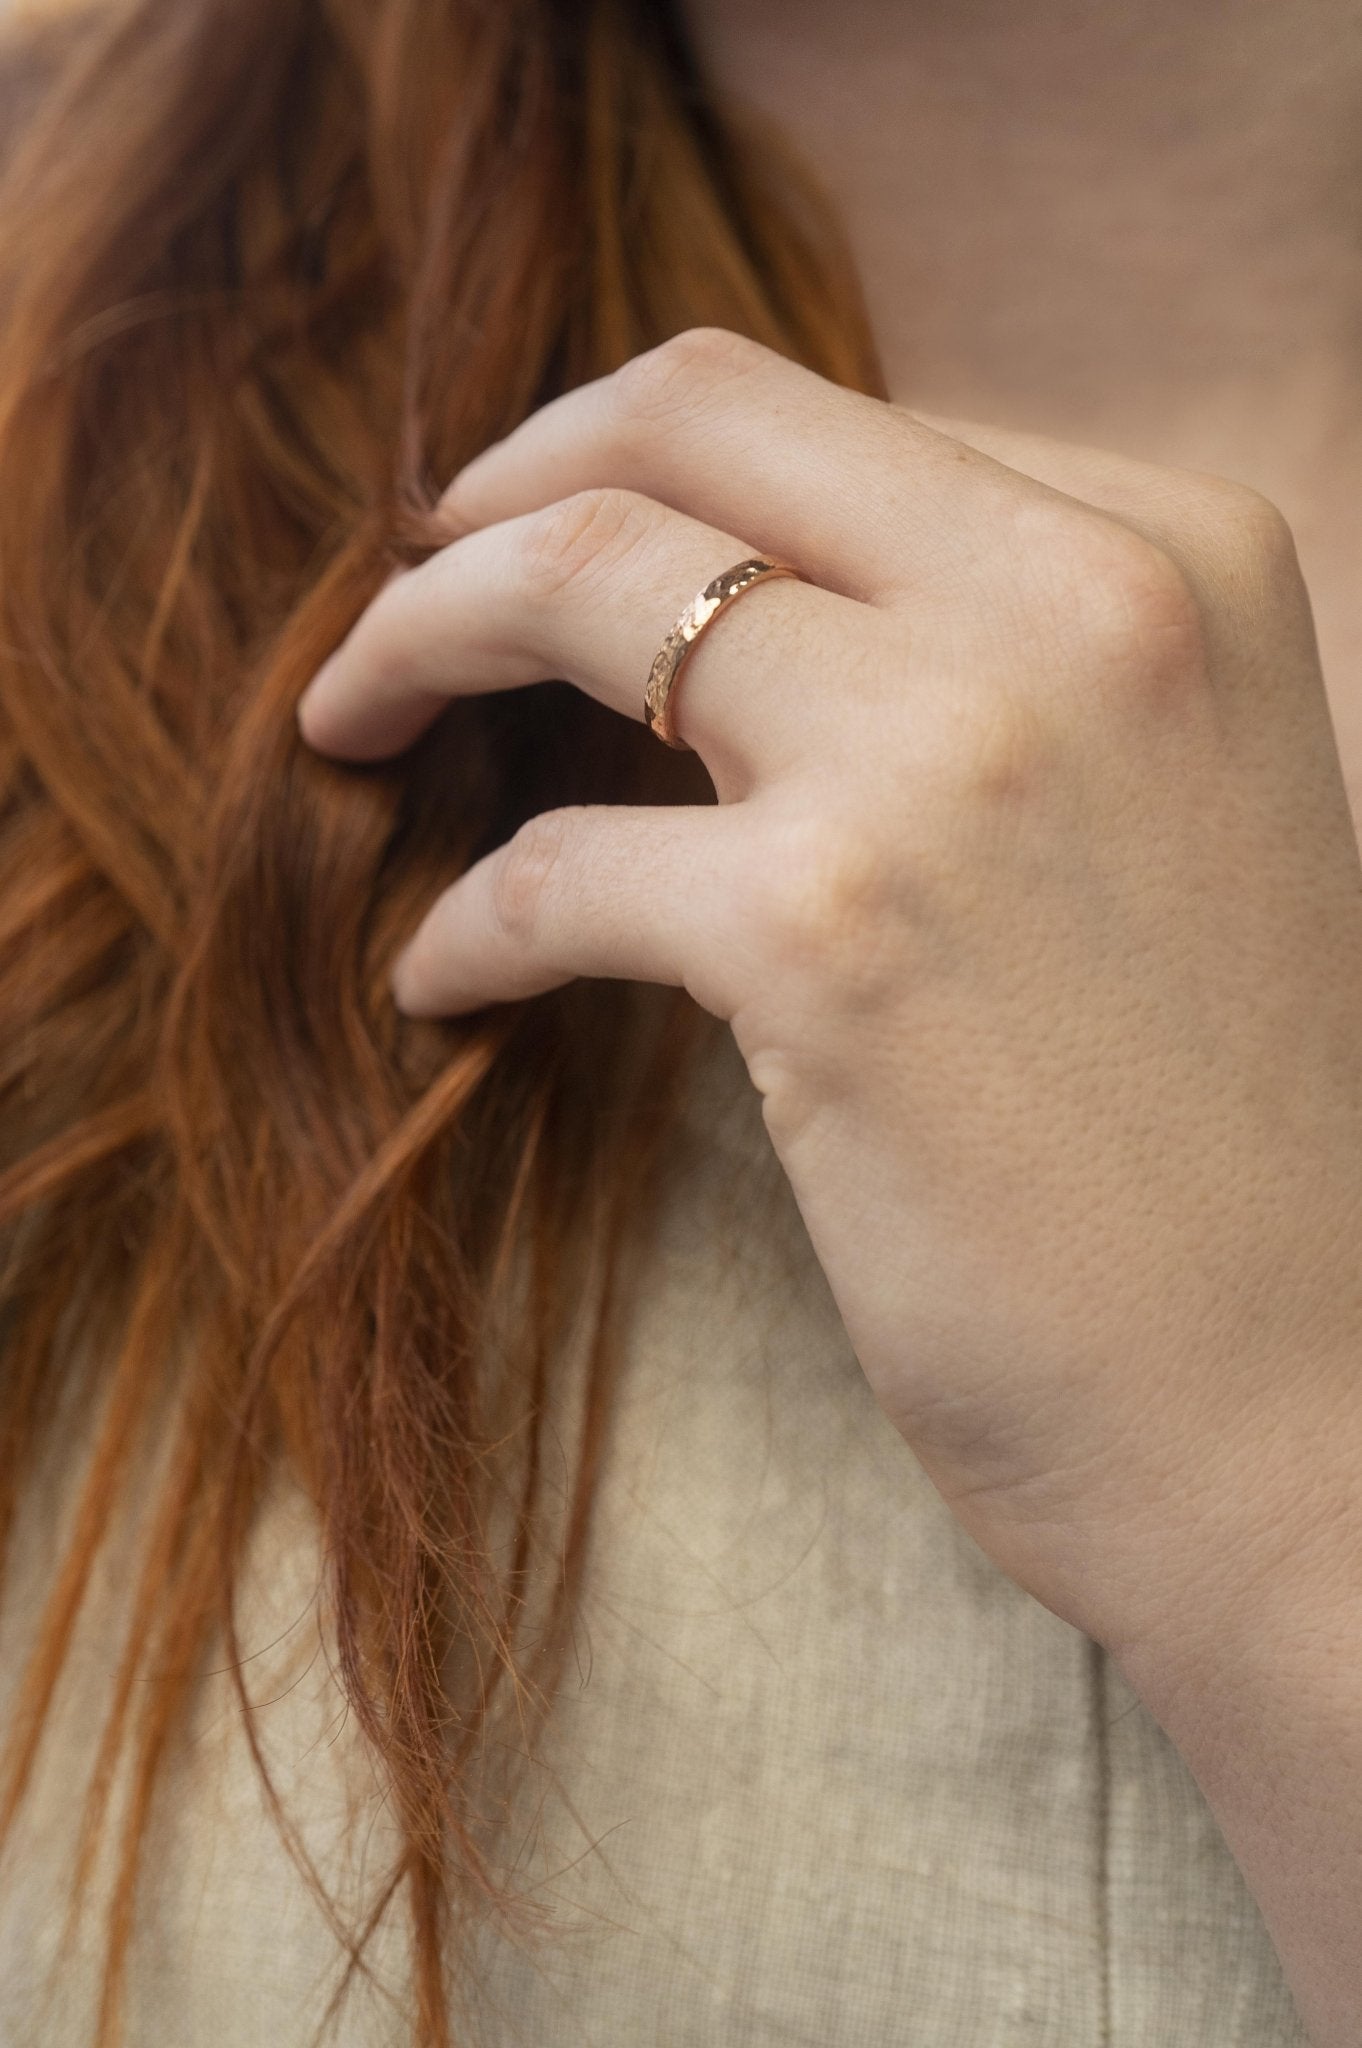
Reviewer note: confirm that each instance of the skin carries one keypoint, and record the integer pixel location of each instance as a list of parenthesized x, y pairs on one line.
[(1132, 223), (1032, 896)]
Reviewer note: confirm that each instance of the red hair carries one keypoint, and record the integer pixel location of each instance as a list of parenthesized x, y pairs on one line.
[(270, 271)]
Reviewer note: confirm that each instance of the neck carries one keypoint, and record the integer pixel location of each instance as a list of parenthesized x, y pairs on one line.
[(1129, 221), (1135, 223)]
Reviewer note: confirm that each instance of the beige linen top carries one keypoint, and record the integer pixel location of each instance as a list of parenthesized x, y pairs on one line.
[(822, 1774)]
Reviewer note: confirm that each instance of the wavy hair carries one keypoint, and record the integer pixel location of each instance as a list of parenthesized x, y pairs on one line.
[(270, 271)]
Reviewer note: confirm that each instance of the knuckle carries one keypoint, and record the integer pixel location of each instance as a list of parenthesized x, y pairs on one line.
[(673, 377), (578, 538), (1140, 615), (823, 887), (1246, 553), (1258, 530), (997, 754), (522, 876)]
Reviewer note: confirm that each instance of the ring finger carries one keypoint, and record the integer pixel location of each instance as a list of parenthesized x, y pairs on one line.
[(584, 590)]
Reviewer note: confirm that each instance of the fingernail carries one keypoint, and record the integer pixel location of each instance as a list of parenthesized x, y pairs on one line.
[(454, 488), (308, 696), (398, 977)]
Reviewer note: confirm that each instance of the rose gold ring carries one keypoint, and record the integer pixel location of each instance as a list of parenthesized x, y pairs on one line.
[(698, 613)]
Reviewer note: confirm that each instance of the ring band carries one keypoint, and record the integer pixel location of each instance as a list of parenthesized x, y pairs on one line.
[(712, 600)]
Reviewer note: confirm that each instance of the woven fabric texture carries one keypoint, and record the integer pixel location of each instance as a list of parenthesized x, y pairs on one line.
[(818, 1774)]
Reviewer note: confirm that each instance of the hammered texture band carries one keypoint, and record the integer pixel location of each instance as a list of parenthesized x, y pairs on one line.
[(687, 630)]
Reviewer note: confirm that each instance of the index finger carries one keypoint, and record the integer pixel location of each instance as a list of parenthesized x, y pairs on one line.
[(862, 497)]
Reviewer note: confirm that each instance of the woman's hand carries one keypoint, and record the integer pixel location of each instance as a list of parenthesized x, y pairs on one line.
[(1032, 898)]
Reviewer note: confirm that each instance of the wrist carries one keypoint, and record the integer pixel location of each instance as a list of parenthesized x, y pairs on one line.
[(1256, 1599), (1260, 1690)]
